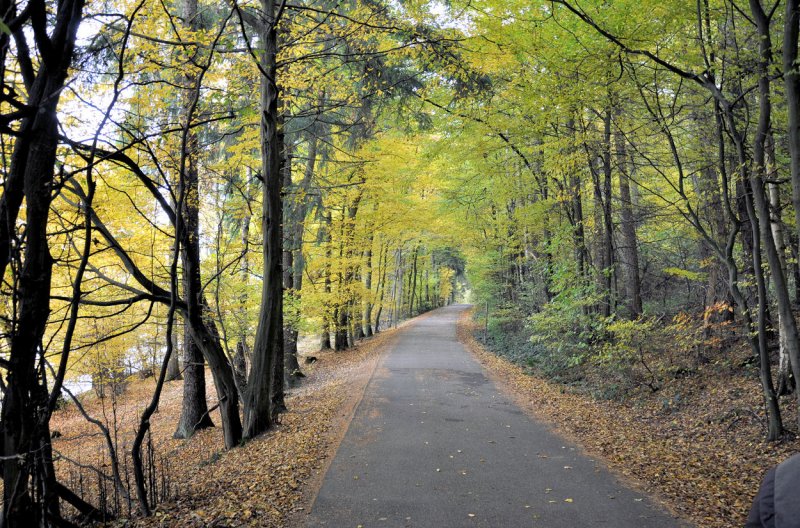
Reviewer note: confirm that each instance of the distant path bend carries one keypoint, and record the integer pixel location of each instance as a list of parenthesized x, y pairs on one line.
[(434, 444)]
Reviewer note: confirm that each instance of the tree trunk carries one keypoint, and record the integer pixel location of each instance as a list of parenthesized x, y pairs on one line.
[(629, 250), (579, 229), (368, 288), (243, 352), (340, 341), (775, 426), (328, 316), (269, 335), (286, 264), (174, 367), (25, 434), (194, 409), (400, 274), (609, 273), (358, 318), (202, 340), (297, 229), (791, 338), (381, 288), (791, 78), (600, 237), (291, 316), (240, 367), (785, 380), (413, 283)]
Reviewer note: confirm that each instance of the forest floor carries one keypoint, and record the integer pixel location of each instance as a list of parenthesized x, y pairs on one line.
[(697, 444), (263, 483)]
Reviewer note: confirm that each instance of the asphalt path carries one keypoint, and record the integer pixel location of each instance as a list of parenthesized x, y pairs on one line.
[(434, 443)]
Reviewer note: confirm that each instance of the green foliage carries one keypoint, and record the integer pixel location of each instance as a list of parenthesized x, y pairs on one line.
[(686, 274), (622, 357), (567, 327), (626, 341)]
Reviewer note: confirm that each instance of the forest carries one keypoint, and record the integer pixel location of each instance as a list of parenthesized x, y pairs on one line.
[(201, 199)]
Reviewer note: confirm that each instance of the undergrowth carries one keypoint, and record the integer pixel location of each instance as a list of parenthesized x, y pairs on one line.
[(614, 358)]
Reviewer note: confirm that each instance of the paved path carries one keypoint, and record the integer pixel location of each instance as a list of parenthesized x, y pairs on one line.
[(434, 444)]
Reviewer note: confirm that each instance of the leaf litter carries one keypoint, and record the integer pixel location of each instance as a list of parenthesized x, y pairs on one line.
[(702, 468), (267, 482)]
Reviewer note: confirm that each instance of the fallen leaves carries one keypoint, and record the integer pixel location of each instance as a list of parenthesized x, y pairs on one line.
[(264, 483), (699, 459)]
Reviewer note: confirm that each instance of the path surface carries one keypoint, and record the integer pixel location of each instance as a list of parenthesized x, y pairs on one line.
[(434, 444)]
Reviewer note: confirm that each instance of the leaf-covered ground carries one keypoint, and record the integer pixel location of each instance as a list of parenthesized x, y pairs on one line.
[(267, 482), (703, 457)]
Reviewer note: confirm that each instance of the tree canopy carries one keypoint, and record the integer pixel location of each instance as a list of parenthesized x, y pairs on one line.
[(191, 184)]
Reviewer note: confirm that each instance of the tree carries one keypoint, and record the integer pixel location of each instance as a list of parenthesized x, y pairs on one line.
[(27, 403), (269, 334)]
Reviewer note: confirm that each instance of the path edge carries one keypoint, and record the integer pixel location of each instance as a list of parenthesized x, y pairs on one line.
[(465, 336), (338, 430)]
